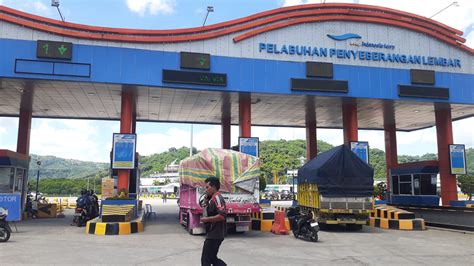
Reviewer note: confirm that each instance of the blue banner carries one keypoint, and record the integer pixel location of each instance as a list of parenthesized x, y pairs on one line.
[(457, 159), (11, 205), (249, 146), (124, 151), (361, 148)]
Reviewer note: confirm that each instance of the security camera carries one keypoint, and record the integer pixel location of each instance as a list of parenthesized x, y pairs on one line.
[(55, 3)]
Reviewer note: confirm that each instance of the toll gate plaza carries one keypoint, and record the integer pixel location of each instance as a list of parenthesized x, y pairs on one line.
[(164, 242), (345, 66)]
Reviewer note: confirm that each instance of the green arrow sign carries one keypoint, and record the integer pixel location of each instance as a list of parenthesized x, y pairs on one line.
[(54, 50)]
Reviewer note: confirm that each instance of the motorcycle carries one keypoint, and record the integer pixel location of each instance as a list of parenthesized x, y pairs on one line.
[(87, 208), (303, 225), (5, 229), (29, 208)]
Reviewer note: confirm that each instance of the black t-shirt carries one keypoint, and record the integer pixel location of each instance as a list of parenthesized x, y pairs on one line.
[(216, 230)]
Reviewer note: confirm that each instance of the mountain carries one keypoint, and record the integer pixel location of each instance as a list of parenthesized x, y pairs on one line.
[(55, 167), (156, 163), (276, 156)]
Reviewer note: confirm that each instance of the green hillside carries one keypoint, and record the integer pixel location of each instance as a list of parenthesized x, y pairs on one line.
[(55, 167), (276, 156), (156, 163)]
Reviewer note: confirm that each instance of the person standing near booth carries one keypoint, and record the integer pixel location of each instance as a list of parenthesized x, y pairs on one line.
[(215, 222)]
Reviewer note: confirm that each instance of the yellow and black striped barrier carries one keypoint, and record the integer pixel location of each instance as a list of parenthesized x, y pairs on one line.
[(118, 213), (403, 224), (98, 227), (389, 217), (389, 212), (263, 220)]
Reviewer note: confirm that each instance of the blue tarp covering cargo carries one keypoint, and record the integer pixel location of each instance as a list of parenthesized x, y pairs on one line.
[(338, 172)]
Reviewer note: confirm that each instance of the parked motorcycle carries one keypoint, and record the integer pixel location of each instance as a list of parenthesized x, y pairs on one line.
[(303, 225), (87, 208), (5, 229)]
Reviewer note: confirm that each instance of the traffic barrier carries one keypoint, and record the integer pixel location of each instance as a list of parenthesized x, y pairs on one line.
[(281, 208), (118, 213), (264, 220), (126, 228), (97, 227), (389, 212), (403, 224), (279, 226)]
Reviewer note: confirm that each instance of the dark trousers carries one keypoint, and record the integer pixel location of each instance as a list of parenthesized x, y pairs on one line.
[(209, 252)]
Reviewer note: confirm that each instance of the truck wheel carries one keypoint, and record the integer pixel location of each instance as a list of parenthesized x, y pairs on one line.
[(188, 225), (354, 227)]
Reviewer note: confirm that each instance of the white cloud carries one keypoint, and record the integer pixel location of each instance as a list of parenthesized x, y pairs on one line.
[(8, 133), (72, 139), (458, 17), (40, 7), (462, 132), (298, 2), (332, 136), (375, 138), (153, 7), (150, 143), (470, 38)]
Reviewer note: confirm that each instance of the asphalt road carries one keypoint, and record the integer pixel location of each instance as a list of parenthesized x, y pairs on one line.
[(165, 242)]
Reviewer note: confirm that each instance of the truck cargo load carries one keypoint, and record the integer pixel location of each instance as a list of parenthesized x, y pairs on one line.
[(337, 186), (238, 174)]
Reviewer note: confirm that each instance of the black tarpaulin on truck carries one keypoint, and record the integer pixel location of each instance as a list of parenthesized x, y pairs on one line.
[(338, 172)]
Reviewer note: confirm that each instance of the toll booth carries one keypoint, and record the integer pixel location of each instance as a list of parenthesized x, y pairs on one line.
[(13, 183), (414, 184)]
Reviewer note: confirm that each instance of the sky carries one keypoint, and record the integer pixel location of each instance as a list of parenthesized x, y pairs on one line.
[(92, 140)]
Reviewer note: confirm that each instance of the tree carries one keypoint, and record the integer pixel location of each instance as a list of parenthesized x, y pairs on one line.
[(262, 182), (466, 184)]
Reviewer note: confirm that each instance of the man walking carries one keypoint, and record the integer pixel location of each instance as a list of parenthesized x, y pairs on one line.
[(215, 222), (164, 196)]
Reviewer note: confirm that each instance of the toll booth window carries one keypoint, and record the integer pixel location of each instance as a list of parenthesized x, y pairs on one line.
[(405, 185), (416, 185), (7, 175), (395, 189), (428, 187), (19, 180)]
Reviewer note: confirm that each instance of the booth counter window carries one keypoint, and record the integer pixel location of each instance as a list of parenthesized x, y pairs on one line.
[(7, 178), (414, 184)]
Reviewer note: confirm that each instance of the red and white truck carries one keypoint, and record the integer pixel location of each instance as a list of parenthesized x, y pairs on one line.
[(239, 177)]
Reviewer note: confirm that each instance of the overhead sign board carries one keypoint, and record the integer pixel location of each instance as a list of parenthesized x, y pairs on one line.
[(361, 52), (192, 77), (324, 85), (457, 158), (249, 146), (124, 146), (10, 204), (195, 60), (361, 148), (54, 50)]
